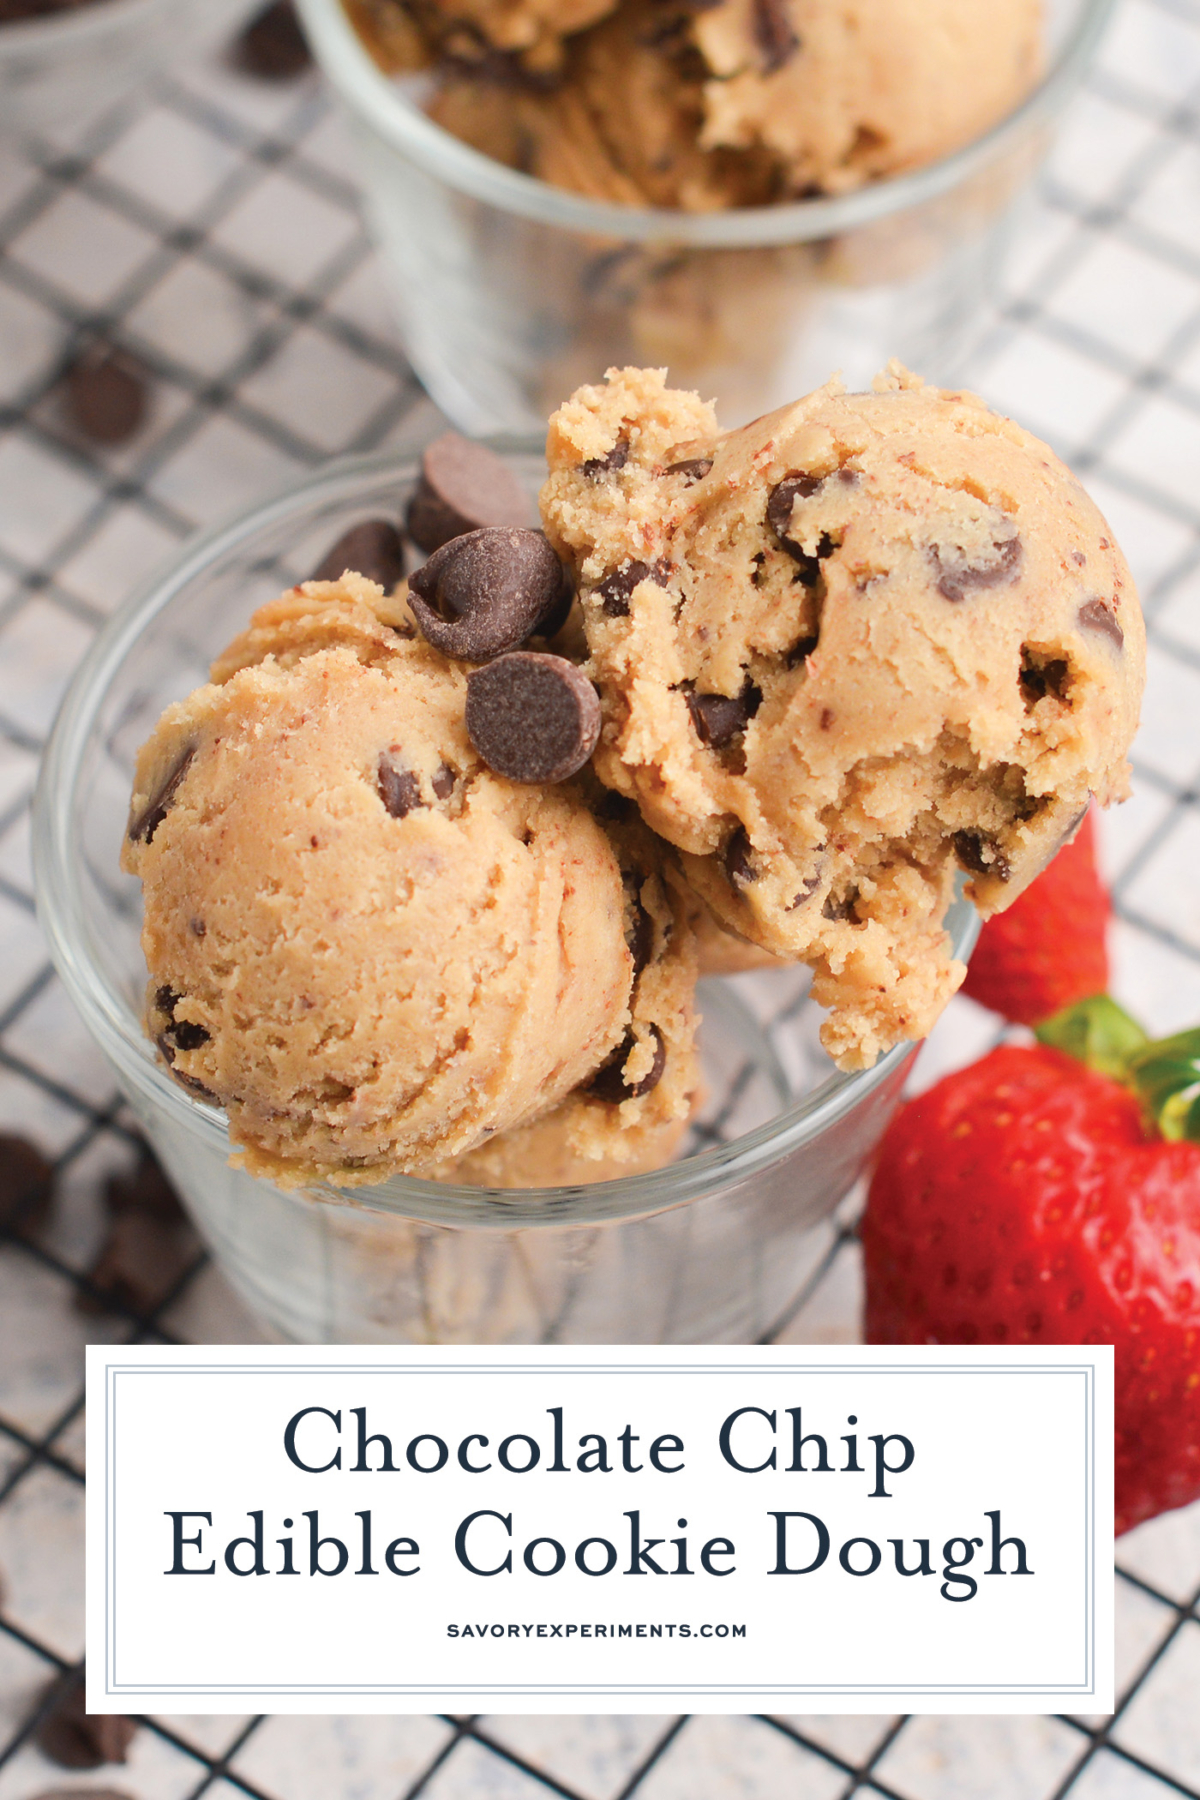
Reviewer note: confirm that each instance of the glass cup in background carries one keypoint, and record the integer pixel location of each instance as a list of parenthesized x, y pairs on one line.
[(510, 292), (713, 1248), (63, 68)]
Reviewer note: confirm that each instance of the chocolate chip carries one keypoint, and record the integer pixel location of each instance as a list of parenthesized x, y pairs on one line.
[(639, 929), (773, 34), (718, 718), (614, 459), (139, 1264), (182, 1034), (693, 468), (614, 807), (615, 591), (783, 497), (957, 576), (143, 828), (399, 788), (1038, 678), (26, 1184), (552, 622), (532, 717), (609, 1084), (107, 393), (800, 652), (196, 1088), (146, 1188), (273, 47), (811, 884), (77, 1739), (443, 782), (1094, 615), (463, 486), (486, 592), (843, 910), (980, 854), (374, 549), (737, 859)]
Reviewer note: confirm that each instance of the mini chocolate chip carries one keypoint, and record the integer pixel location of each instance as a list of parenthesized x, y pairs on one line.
[(198, 928), (811, 884), (773, 34), (614, 459), (194, 1087), (166, 1000), (374, 549), (443, 782), (463, 486), (980, 854), (1037, 679), (693, 468), (718, 718), (532, 717), (273, 47), (143, 828), (783, 497), (77, 1739), (615, 591), (737, 859), (484, 593), (639, 930), (1094, 615), (26, 1184), (609, 1084), (957, 576), (187, 1034), (399, 788), (107, 392), (843, 910), (800, 652)]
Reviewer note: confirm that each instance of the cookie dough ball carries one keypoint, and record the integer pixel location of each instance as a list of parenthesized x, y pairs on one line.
[(845, 91), (371, 950), (859, 643), (629, 1116), (525, 35)]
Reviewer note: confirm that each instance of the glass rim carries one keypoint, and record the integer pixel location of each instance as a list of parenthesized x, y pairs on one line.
[(117, 1028), (373, 99)]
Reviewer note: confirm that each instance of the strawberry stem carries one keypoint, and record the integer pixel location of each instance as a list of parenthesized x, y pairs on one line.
[(1166, 1076), (1098, 1033)]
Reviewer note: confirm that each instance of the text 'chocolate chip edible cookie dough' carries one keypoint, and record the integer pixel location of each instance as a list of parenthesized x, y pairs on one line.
[(855, 646), (702, 106)]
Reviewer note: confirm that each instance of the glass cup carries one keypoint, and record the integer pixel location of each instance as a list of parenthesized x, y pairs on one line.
[(61, 69), (713, 1248), (510, 292)]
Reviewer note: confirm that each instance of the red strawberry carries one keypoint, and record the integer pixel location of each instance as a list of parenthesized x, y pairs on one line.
[(1025, 1200), (1048, 950)]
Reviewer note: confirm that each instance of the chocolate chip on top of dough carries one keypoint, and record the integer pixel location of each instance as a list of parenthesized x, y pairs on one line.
[(1094, 615), (463, 486), (616, 590), (532, 717), (486, 592)]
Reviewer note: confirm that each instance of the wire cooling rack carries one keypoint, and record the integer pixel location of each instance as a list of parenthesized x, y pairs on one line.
[(212, 231)]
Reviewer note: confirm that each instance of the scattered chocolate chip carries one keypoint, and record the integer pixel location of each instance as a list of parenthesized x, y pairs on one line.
[(783, 497), (718, 718), (811, 884), (107, 393), (843, 910), (532, 717), (1039, 678), (140, 1262), (147, 1189), (273, 47), (957, 577), (980, 854), (188, 1035), (181, 1034), (616, 590), (399, 788), (196, 1088), (825, 722), (81, 1740), (615, 459), (1094, 615), (737, 859), (639, 929), (443, 782), (693, 468), (143, 828), (463, 486), (486, 592), (773, 34), (609, 1084), (800, 652), (26, 1184), (374, 549)]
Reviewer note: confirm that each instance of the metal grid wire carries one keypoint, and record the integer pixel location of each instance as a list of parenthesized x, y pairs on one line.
[(212, 231)]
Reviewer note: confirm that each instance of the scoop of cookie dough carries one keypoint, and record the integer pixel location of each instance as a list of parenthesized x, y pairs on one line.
[(506, 36), (861, 642), (371, 950)]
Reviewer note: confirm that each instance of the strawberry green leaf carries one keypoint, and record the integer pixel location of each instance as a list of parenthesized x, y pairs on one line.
[(1098, 1033), (1166, 1074)]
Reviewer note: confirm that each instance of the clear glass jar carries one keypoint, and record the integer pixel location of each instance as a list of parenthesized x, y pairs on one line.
[(67, 66), (710, 1249), (510, 292)]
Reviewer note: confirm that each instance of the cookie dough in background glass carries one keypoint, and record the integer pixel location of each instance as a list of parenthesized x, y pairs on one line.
[(511, 291), (713, 1248)]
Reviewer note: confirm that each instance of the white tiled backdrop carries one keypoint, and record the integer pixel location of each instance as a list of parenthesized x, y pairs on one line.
[(212, 230)]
